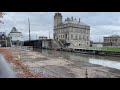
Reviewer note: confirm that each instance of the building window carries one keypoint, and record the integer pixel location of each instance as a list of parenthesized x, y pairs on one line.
[(83, 36), (71, 36), (63, 36), (79, 37), (105, 40), (87, 37), (76, 36), (76, 30), (87, 43)]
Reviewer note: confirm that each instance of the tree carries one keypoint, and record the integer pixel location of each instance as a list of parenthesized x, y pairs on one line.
[(1, 16)]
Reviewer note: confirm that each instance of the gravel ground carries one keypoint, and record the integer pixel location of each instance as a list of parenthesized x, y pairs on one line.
[(40, 66)]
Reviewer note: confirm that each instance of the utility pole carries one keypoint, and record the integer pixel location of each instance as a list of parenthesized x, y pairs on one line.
[(49, 34), (99, 38), (29, 29), (36, 36)]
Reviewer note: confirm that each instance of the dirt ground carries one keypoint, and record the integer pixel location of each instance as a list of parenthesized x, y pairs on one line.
[(31, 64)]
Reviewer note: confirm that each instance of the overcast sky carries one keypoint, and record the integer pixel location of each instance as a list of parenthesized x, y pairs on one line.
[(101, 23)]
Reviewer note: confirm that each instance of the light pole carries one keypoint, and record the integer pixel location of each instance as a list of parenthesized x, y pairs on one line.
[(29, 29), (6, 37), (36, 36)]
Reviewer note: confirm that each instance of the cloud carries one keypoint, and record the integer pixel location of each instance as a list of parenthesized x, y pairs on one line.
[(101, 23)]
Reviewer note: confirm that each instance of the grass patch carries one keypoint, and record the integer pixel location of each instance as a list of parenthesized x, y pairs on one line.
[(110, 49)]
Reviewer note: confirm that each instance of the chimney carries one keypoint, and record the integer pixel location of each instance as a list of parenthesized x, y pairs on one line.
[(79, 20)]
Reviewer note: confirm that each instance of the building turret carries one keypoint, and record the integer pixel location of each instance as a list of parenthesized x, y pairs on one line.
[(57, 19)]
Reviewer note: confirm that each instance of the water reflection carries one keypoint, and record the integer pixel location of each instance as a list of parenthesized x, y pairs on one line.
[(108, 61)]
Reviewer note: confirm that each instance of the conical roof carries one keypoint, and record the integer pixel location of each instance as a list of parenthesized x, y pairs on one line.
[(14, 29)]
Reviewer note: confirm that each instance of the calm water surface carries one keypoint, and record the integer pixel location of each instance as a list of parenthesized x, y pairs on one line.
[(107, 61)]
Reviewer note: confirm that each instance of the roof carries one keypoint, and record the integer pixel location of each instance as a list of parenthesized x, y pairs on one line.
[(74, 21), (15, 32), (115, 36), (14, 29)]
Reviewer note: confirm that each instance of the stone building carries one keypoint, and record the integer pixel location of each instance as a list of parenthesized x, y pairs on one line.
[(4, 40), (112, 41), (71, 31), (97, 44), (16, 37)]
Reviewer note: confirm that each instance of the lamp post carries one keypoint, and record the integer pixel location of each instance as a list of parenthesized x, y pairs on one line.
[(29, 29), (36, 36)]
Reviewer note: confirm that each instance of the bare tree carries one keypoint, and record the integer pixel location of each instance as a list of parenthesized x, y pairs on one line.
[(1, 16)]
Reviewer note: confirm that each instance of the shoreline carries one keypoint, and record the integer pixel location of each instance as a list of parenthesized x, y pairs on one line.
[(88, 52)]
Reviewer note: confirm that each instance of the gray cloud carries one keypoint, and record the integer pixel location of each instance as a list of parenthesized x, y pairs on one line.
[(102, 23)]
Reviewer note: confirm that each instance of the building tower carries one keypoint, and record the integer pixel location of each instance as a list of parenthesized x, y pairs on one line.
[(57, 19)]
